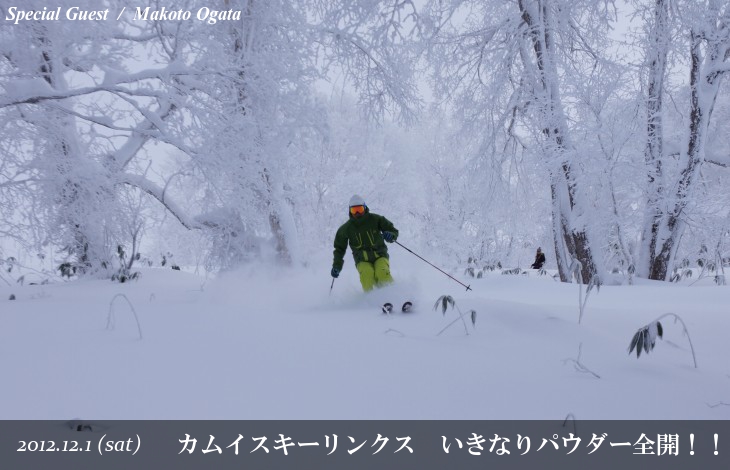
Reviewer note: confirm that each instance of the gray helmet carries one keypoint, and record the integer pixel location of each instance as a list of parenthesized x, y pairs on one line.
[(356, 200)]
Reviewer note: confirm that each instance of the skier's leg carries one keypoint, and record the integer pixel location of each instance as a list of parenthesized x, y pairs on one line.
[(382, 272), (367, 275)]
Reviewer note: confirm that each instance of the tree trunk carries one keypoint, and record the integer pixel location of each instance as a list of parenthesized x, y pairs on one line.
[(570, 241), (70, 196), (653, 154), (278, 230), (705, 78), (243, 41), (704, 86), (560, 225)]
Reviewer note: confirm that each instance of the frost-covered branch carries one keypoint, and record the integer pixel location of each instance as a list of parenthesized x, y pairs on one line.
[(37, 90), (716, 157), (158, 193)]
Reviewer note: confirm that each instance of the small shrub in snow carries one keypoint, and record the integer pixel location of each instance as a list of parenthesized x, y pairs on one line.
[(167, 258), (575, 271), (111, 318), (77, 425), (628, 273), (511, 272), (67, 269), (10, 262), (391, 331), (444, 302), (492, 266), (12, 297), (709, 265), (681, 272), (578, 365), (721, 403), (631, 271), (124, 273), (571, 417), (473, 269), (645, 337)]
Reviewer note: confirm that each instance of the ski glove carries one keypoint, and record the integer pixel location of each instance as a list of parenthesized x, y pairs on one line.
[(389, 237), (335, 272)]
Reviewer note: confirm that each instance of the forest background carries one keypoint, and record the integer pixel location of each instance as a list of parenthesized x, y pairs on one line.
[(597, 130)]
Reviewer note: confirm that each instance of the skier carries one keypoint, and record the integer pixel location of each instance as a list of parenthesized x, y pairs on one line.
[(539, 259), (366, 233)]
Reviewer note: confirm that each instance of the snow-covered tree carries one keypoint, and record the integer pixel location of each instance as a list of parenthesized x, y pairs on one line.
[(229, 101), (506, 66), (706, 25)]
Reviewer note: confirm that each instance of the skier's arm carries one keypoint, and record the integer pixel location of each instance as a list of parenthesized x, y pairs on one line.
[(385, 225), (340, 248)]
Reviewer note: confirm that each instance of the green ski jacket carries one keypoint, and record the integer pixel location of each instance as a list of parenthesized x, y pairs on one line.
[(365, 238)]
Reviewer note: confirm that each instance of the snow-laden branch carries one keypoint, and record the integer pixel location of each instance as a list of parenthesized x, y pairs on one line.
[(378, 73), (722, 67), (37, 90), (150, 128), (141, 38), (158, 193), (140, 135), (723, 161), (10, 183), (717, 158), (198, 222)]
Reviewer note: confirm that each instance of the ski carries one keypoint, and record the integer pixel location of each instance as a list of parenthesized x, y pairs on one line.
[(387, 307)]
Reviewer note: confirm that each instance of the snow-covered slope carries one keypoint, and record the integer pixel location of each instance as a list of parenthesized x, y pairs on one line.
[(263, 344)]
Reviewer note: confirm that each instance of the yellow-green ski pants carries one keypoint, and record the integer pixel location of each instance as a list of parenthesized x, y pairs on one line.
[(374, 274)]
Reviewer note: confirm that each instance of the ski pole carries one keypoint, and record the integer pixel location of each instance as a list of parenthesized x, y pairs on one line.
[(332, 285), (468, 288)]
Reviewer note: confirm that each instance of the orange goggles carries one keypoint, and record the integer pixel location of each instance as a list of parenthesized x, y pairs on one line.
[(354, 210)]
